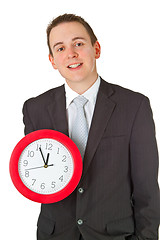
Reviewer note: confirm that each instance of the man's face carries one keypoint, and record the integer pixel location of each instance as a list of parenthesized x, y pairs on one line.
[(73, 54)]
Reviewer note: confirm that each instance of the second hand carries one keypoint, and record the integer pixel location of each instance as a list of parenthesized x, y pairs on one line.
[(39, 167)]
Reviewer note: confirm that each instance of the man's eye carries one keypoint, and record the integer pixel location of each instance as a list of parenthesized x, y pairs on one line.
[(60, 49), (78, 44)]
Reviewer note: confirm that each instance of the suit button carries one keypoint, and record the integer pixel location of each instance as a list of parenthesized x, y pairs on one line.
[(81, 190), (80, 221)]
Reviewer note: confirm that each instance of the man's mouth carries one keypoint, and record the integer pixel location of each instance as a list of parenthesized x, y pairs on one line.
[(73, 66)]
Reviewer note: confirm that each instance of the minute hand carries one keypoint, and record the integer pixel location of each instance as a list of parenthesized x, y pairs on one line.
[(42, 155)]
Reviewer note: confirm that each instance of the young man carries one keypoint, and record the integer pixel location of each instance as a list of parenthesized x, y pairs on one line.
[(118, 194)]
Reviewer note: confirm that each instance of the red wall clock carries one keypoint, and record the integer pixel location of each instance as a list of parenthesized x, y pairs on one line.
[(46, 166)]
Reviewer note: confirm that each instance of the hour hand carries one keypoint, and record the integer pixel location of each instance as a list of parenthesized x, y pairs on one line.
[(47, 159)]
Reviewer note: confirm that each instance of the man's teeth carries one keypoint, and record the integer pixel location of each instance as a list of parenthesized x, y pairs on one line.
[(74, 65)]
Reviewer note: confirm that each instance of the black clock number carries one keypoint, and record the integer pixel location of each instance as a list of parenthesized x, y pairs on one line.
[(34, 180), (49, 146), (42, 186), (64, 158), (66, 169), (30, 153), (38, 146), (26, 173), (53, 184), (58, 151), (61, 178), (25, 163)]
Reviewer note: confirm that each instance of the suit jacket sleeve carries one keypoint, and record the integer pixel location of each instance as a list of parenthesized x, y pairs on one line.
[(144, 173), (26, 119)]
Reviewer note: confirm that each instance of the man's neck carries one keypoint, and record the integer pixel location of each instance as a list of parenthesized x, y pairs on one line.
[(81, 87)]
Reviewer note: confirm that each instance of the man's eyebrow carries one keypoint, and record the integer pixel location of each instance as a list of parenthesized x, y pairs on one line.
[(58, 43), (76, 38), (73, 39)]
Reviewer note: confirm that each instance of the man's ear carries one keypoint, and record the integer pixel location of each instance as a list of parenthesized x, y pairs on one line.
[(51, 59), (97, 48)]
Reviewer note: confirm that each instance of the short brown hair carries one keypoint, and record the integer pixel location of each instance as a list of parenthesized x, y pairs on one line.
[(70, 18)]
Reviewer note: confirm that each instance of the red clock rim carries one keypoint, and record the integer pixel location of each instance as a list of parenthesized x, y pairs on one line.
[(68, 143)]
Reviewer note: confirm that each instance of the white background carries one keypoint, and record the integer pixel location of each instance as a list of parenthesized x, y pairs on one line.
[(129, 34)]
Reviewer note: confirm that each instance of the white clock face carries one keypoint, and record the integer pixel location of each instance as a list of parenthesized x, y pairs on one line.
[(46, 166)]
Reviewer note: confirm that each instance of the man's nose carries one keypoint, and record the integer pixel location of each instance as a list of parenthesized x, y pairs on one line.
[(72, 53)]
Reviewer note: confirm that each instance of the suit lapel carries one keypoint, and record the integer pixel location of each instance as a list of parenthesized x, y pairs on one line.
[(57, 110), (103, 110)]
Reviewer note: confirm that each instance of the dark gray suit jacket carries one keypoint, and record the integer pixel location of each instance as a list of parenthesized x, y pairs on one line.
[(119, 197)]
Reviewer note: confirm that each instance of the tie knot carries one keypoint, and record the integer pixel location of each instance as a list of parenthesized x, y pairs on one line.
[(80, 101)]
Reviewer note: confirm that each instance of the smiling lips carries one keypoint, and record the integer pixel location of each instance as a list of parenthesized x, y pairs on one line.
[(73, 66)]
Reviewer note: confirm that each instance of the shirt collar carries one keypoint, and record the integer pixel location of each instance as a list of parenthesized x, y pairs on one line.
[(90, 94)]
